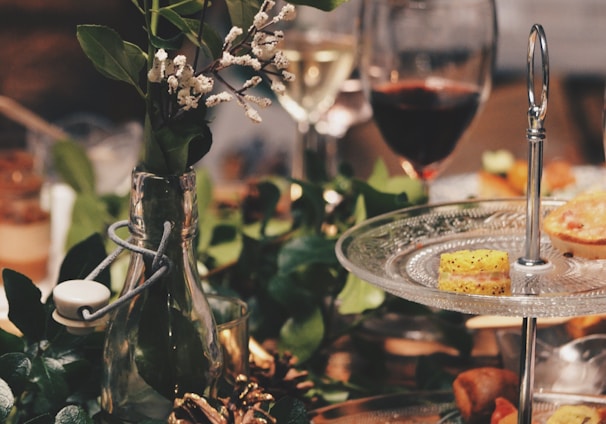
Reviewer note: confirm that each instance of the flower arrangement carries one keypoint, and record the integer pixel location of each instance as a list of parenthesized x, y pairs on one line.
[(177, 94)]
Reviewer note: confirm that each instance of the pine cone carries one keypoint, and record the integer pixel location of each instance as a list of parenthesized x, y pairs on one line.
[(277, 374), (244, 406)]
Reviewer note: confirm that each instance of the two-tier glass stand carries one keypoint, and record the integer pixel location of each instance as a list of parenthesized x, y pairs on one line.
[(400, 251)]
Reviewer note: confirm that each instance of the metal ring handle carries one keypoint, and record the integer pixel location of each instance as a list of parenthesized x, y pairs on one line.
[(536, 113), (161, 265)]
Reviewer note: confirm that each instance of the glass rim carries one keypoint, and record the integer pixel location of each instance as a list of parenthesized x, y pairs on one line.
[(243, 306)]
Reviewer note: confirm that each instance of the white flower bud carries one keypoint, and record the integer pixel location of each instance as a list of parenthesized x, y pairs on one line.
[(186, 74), (260, 19), (161, 55), (234, 33), (180, 60), (215, 99), (252, 114), (288, 76), (288, 12), (173, 84), (278, 88), (186, 100), (253, 82), (227, 59), (280, 60), (154, 74), (260, 101), (203, 84)]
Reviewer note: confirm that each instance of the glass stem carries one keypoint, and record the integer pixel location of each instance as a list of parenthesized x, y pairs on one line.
[(314, 150)]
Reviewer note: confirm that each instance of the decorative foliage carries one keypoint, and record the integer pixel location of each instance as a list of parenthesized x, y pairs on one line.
[(177, 134), (45, 369)]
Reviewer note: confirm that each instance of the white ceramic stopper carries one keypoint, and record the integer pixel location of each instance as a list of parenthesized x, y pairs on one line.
[(72, 296)]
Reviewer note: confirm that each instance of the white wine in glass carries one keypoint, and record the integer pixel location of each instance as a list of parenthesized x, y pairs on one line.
[(321, 50)]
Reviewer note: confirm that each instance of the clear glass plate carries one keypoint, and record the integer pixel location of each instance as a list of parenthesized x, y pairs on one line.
[(465, 186), (432, 408), (400, 253)]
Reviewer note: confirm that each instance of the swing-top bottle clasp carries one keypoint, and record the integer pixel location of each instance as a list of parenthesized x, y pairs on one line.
[(83, 304)]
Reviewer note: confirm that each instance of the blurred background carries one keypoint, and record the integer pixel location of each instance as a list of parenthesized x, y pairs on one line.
[(44, 69)]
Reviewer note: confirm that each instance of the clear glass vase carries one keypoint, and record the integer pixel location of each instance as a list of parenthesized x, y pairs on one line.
[(163, 343)]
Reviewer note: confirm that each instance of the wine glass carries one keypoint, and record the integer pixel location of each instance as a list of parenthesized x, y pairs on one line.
[(426, 67), (349, 109), (321, 49)]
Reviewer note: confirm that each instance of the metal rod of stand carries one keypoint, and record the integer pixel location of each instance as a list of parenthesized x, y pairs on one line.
[(532, 255), (529, 333)]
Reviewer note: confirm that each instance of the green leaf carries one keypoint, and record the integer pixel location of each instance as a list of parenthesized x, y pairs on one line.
[(306, 250), (10, 342), (111, 56), (15, 369), (7, 400), (186, 26), (225, 253), (25, 308), (302, 335), (173, 148), (326, 5), (204, 192), (309, 209), (414, 188), (379, 174), (377, 202), (212, 43), (45, 418), (358, 296), (52, 390), (83, 258), (73, 414), (381, 181), (242, 12), (274, 228), (168, 44), (74, 166), (288, 410), (160, 328), (186, 7), (269, 196), (359, 213), (285, 290), (89, 216)]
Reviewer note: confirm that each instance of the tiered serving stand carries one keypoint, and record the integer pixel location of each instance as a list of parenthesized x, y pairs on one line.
[(400, 251)]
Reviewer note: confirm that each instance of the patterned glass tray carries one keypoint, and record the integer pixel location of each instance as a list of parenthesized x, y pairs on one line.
[(400, 253), (432, 408)]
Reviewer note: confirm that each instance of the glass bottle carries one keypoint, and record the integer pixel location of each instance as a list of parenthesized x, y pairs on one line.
[(163, 343)]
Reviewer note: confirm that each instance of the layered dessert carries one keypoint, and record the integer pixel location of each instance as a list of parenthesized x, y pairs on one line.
[(24, 224), (481, 271)]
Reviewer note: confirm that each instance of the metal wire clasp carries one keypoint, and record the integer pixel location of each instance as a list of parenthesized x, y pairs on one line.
[(82, 317)]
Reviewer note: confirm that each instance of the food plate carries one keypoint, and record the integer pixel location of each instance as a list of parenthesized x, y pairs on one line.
[(466, 186), (432, 408), (400, 253)]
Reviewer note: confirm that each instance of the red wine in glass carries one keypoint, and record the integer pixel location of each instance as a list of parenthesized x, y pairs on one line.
[(422, 120)]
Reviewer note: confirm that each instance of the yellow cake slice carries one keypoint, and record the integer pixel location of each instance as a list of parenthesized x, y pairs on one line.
[(575, 414), (481, 271)]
